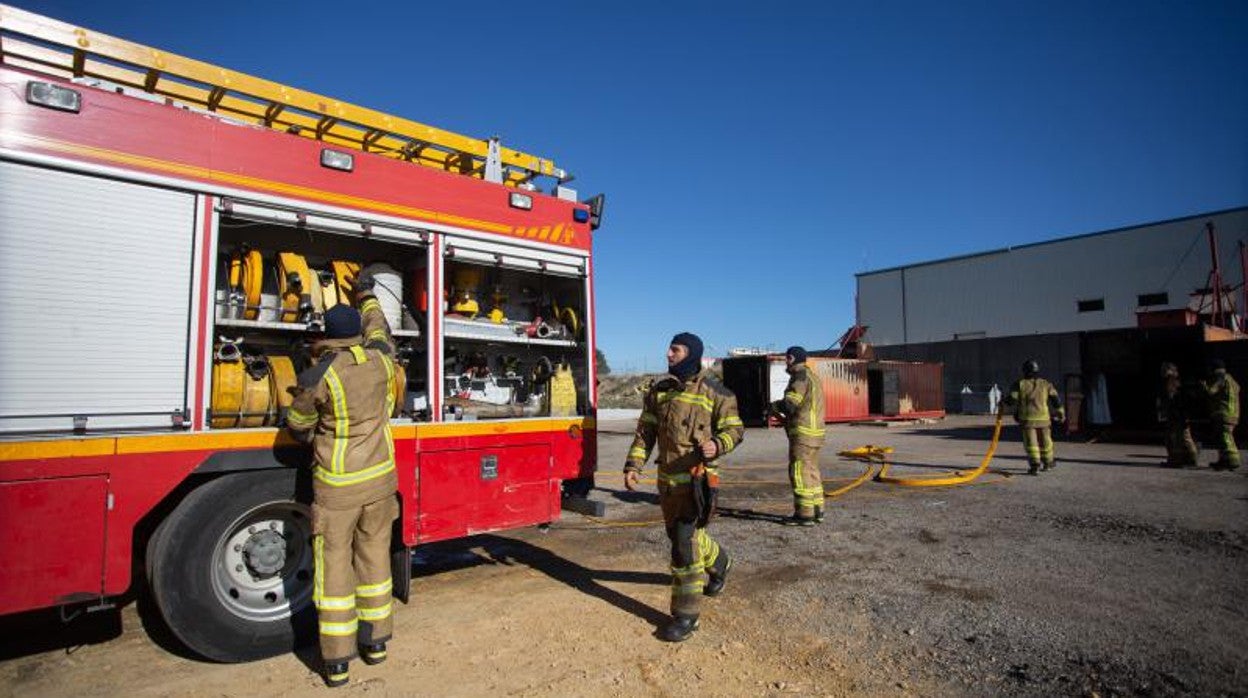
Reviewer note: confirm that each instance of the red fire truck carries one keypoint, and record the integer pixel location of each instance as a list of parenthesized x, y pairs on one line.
[(169, 233)]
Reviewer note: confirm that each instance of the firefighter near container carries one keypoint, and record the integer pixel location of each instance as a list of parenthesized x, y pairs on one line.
[(1035, 406), (342, 406), (1223, 393), (692, 419), (802, 411), (1174, 412)]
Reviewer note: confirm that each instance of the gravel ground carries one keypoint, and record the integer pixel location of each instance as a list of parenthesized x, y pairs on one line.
[(1109, 576)]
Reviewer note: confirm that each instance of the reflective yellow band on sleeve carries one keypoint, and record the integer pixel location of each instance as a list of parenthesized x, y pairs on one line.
[(730, 421), (793, 397), (638, 453), (298, 418), (370, 304)]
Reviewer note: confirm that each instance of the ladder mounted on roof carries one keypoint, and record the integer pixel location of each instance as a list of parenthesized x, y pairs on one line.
[(46, 45)]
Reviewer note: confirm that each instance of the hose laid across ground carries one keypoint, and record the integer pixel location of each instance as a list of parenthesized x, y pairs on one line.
[(959, 478)]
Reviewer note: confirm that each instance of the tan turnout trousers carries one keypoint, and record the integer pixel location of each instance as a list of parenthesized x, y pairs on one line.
[(352, 586)]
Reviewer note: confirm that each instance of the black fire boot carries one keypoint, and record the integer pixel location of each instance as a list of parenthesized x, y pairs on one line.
[(717, 578), (818, 514), (336, 675), (1033, 469), (680, 629), (373, 654)]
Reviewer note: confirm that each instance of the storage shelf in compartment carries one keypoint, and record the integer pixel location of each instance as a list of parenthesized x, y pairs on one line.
[(491, 332), (262, 324)]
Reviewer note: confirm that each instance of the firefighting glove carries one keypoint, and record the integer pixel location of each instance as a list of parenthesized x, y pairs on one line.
[(364, 281)]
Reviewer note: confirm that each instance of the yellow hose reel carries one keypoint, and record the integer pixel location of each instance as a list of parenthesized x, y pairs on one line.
[(300, 289), (246, 275)]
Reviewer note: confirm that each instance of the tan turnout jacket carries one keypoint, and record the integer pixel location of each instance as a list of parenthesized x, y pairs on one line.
[(678, 417), (344, 402), (803, 407)]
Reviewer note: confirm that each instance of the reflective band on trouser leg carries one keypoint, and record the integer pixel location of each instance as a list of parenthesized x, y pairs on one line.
[(805, 479), (688, 572), (687, 585), (334, 581), (708, 549), (374, 589), (1031, 444), (1228, 452), (1045, 436)]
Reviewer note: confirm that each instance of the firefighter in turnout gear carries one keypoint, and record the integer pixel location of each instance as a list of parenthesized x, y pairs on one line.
[(1173, 411), (1223, 392), (343, 405), (1035, 404), (693, 419), (803, 413)]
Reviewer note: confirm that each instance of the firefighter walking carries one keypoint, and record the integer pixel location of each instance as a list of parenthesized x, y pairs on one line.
[(1173, 410), (343, 405), (1035, 405), (1223, 392), (803, 413), (693, 419)]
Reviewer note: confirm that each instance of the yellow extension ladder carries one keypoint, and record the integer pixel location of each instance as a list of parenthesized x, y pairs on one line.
[(46, 45)]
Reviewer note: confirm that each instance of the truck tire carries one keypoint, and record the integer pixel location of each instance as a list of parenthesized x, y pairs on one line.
[(230, 569)]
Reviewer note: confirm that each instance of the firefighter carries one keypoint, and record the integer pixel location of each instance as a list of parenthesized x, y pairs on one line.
[(802, 410), (1035, 403), (1223, 392), (342, 406), (1173, 412), (693, 419)]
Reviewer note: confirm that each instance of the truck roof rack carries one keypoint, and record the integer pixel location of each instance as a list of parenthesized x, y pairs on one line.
[(49, 46)]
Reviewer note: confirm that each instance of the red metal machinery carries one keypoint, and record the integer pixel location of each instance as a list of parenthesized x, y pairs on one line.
[(150, 207)]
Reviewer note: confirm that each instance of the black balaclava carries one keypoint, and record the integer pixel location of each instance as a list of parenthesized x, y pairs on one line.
[(341, 322), (691, 364), (798, 354)]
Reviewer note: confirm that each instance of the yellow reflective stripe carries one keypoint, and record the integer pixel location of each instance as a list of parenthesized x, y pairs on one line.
[(795, 398), (342, 427), (373, 614), (300, 418), (647, 418), (731, 421), (339, 677), (638, 452), (694, 399), (354, 478), (725, 442), (339, 629), (370, 304), (335, 603), (807, 431), (358, 352), (675, 478), (318, 567), (365, 591)]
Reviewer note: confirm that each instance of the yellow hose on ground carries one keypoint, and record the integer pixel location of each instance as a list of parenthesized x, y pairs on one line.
[(959, 478)]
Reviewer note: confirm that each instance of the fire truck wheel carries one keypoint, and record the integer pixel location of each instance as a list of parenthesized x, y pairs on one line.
[(231, 568)]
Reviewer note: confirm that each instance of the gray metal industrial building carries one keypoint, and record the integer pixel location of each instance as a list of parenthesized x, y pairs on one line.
[(1105, 305)]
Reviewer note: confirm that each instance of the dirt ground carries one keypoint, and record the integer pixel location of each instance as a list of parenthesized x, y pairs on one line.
[(1108, 576)]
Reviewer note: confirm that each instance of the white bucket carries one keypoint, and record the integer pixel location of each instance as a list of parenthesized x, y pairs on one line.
[(389, 292)]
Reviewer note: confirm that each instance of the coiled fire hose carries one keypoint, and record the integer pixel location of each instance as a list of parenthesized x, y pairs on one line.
[(958, 478)]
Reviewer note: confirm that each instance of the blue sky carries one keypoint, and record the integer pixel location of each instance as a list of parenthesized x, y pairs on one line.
[(755, 157)]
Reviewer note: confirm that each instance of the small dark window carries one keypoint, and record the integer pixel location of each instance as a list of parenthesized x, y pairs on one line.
[(1092, 305), (1147, 299)]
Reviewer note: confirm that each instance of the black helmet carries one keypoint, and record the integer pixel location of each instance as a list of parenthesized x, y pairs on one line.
[(1031, 367)]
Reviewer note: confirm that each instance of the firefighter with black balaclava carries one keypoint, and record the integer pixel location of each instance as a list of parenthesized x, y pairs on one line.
[(342, 406), (693, 420), (1036, 406), (803, 413)]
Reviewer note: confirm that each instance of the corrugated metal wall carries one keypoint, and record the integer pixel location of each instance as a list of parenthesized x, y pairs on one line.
[(921, 387), (844, 387)]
